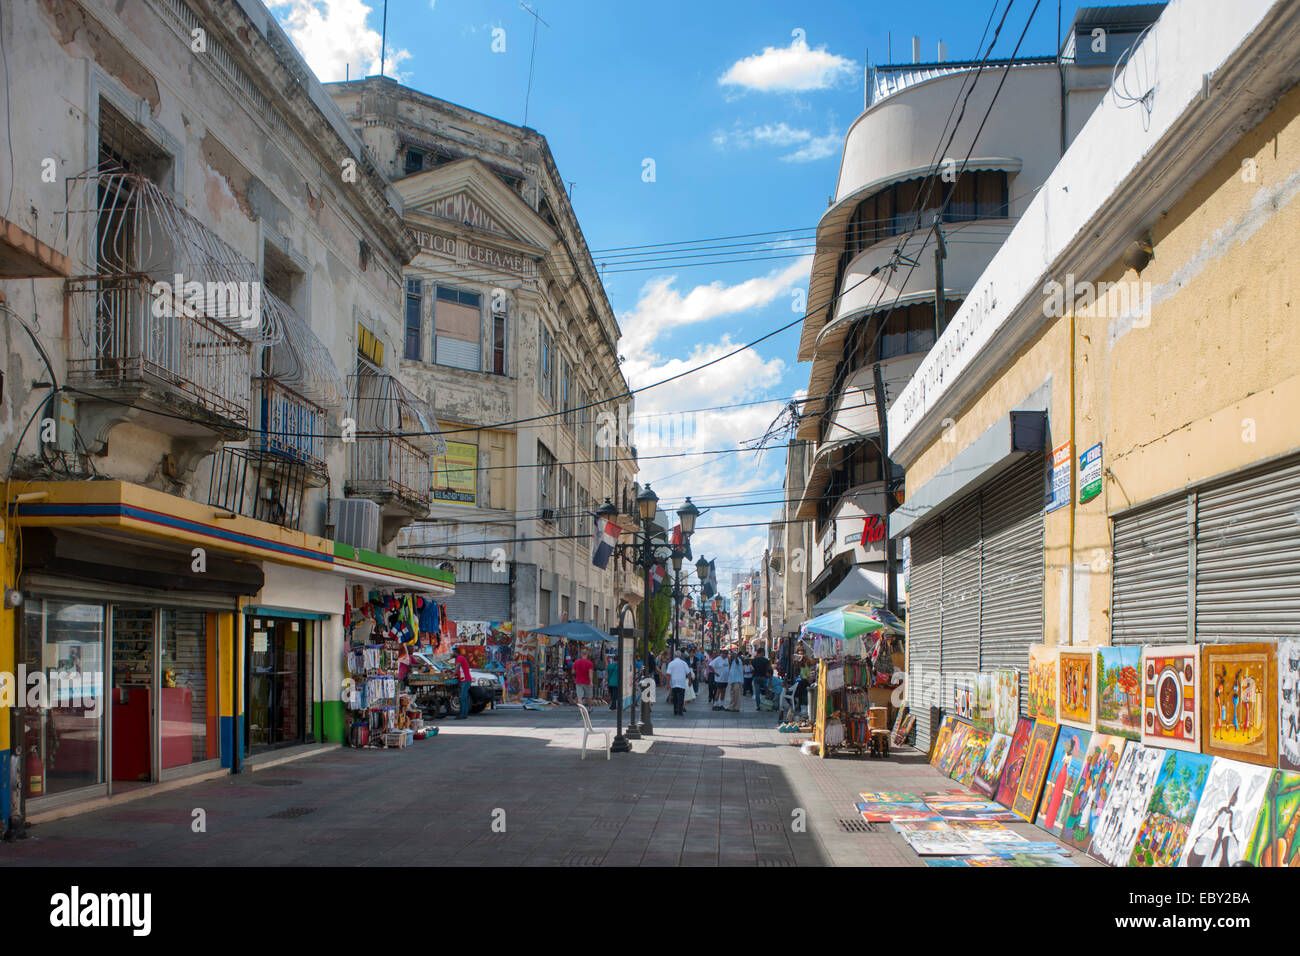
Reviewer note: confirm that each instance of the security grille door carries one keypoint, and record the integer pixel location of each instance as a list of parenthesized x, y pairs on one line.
[(1150, 574), (1011, 615), (1248, 556), (960, 586), (923, 625), (474, 601)]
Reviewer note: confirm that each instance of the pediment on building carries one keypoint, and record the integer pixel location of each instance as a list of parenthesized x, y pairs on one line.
[(468, 195)]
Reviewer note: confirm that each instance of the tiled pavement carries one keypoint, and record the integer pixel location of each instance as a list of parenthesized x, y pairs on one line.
[(708, 789)]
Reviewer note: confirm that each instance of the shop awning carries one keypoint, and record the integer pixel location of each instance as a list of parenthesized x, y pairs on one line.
[(860, 584), (574, 631)]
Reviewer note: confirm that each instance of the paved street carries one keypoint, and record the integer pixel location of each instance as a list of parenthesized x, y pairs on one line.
[(708, 789)]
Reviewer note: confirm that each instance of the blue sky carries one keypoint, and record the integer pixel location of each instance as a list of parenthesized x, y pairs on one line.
[(742, 106)]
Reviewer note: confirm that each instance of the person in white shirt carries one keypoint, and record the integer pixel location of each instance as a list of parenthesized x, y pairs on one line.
[(679, 672), (735, 682), (719, 667)]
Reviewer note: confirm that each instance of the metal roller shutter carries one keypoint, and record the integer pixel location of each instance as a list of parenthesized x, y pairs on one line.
[(924, 614), (479, 602), (1011, 615), (1150, 575), (960, 579), (1248, 556)]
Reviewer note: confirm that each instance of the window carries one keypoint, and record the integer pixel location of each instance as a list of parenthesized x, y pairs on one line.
[(414, 161), (414, 313), (975, 195), (499, 345), (566, 382), (546, 490), (545, 363), (457, 329), (566, 501)]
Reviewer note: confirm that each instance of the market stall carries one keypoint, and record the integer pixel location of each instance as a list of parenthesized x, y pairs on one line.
[(564, 644)]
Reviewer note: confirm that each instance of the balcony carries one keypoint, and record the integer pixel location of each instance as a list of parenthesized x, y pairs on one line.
[(289, 426), (159, 331), (391, 457), (257, 484)]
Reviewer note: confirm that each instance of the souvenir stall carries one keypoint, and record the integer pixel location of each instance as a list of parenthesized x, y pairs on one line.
[(857, 649), (382, 629), (564, 643), (520, 678)]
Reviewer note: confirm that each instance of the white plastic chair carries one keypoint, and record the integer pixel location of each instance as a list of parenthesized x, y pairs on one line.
[(589, 731)]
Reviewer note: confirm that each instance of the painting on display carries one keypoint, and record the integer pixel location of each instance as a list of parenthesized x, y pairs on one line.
[(1042, 682), (1099, 769), (1170, 690), (963, 696), (963, 770), (1117, 826), (1015, 762), (1288, 704), (989, 772), (1037, 757), (1163, 834), (1225, 817), (940, 740), (1119, 694), (1006, 701), (1075, 689), (936, 838), (888, 812), (1237, 715), (954, 747), (1063, 776), (984, 702), (1274, 842)]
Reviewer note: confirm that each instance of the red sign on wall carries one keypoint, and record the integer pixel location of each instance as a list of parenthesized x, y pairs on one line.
[(873, 529)]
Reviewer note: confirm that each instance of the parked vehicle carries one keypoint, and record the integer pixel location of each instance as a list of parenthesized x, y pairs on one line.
[(438, 692)]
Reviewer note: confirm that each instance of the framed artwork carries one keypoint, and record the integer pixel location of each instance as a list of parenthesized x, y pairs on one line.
[(936, 838), (1119, 694), (940, 740), (1171, 680), (984, 702), (1274, 841), (1042, 682), (1115, 829), (1098, 778), (1041, 743), (1063, 775), (1076, 688), (1288, 705), (963, 697), (1015, 762), (888, 812), (1006, 701), (1237, 716), (1163, 834), (972, 751), (989, 772), (1225, 818), (953, 749)]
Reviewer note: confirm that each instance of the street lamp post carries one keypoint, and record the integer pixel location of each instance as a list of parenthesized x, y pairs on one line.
[(646, 554)]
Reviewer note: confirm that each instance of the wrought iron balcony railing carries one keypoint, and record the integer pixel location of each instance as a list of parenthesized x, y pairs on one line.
[(391, 458), (289, 425)]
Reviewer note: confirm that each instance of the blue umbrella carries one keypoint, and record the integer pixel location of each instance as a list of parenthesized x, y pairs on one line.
[(574, 631)]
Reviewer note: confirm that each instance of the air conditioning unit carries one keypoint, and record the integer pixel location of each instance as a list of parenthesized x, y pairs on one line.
[(355, 522), (548, 514)]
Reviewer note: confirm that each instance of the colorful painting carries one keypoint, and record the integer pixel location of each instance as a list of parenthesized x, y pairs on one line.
[(1075, 689), (1006, 701), (940, 740), (1237, 713), (888, 812), (1063, 775), (1099, 769), (1117, 827), (1163, 834), (1274, 842), (968, 761), (1288, 705), (963, 696), (1034, 860), (953, 750), (989, 772), (1119, 694), (1015, 762), (1042, 682), (938, 839), (984, 702), (903, 796), (1170, 690), (1037, 757), (1225, 818)]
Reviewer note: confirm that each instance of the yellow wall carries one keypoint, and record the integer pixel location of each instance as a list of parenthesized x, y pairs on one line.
[(1209, 385)]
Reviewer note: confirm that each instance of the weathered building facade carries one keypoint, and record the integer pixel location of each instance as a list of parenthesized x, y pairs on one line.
[(507, 325)]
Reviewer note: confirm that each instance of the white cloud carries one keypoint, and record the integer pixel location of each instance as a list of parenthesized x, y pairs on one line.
[(811, 146), (789, 69), (333, 38), (817, 148), (661, 307)]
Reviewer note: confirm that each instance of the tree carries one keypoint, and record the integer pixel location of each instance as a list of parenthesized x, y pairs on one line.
[(660, 605)]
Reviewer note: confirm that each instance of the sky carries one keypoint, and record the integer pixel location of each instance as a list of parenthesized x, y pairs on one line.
[(674, 122)]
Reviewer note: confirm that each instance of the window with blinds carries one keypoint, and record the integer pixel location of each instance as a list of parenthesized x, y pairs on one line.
[(457, 329)]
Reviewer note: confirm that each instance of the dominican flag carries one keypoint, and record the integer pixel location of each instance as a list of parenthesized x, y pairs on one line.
[(602, 546), (709, 586), (657, 577)]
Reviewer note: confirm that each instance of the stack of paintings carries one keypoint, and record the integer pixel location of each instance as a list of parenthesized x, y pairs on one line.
[(1163, 833), (1063, 775), (1015, 762)]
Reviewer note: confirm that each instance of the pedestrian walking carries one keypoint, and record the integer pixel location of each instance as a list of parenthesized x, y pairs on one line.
[(611, 678), (463, 675), (762, 674), (749, 677), (582, 669), (735, 682), (718, 668), (678, 673)]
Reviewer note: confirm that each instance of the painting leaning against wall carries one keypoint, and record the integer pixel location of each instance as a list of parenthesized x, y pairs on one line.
[(1042, 682), (1238, 716), (1119, 691), (1288, 705), (1225, 818), (1274, 842), (1095, 784)]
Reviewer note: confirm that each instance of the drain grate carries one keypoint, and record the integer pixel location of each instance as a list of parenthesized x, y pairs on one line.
[(857, 825), (276, 782), (612, 826), (291, 813), (577, 860), (762, 801), (775, 861), (767, 828)]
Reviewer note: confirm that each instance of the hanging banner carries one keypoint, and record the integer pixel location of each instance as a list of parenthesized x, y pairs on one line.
[(455, 475), (1090, 474)]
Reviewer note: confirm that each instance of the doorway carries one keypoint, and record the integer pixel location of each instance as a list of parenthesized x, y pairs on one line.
[(133, 693), (277, 687)]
